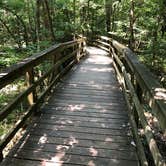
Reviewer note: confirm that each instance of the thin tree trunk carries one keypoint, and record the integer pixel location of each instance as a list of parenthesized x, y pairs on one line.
[(38, 3), (32, 29), (50, 21), (132, 20), (45, 23), (83, 19), (108, 11), (74, 16), (155, 42)]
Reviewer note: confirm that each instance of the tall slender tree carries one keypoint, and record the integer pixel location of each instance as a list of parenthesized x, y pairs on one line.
[(108, 11), (132, 21)]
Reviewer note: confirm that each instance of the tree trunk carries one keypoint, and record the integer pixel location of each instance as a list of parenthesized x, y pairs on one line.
[(155, 42), (132, 20), (38, 4), (74, 16), (31, 22), (50, 21), (108, 11)]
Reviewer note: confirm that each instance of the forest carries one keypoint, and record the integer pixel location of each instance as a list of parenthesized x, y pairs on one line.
[(28, 26)]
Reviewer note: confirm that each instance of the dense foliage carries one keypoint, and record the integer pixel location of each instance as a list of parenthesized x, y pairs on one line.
[(31, 25), (145, 25)]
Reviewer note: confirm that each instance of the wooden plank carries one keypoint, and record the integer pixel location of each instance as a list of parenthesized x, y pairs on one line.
[(85, 114), (78, 108), (70, 89), (88, 99), (85, 123), (49, 159), (85, 96), (92, 130), (95, 103), (27, 162), (101, 109), (105, 38), (88, 118), (97, 45), (71, 141), (69, 120), (103, 43), (27, 151), (92, 81), (84, 152), (93, 87), (81, 135)]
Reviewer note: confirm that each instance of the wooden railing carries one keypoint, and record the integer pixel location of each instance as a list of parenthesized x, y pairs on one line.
[(144, 95), (40, 73)]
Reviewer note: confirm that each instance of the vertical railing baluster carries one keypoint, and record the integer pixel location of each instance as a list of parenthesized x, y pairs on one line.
[(78, 51), (32, 97)]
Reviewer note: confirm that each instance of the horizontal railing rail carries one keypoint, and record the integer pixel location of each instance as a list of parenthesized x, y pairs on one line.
[(144, 95), (40, 73)]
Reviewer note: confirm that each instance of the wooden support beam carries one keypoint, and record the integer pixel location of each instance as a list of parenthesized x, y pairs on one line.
[(32, 97)]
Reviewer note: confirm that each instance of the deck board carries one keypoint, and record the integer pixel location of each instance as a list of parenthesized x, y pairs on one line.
[(85, 121)]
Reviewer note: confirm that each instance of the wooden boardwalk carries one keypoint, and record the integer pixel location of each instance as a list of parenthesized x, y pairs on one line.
[(84, 123)]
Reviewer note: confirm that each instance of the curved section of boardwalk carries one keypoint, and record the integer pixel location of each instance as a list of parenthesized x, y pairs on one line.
[(84, 123)]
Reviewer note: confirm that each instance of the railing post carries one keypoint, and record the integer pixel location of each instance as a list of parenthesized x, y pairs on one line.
[(78, 52), (1, 155), (84, 46), (32, 97), (56, 70), (110, 46)]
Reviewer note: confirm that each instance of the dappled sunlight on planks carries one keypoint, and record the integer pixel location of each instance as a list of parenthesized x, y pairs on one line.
[(91, 163), (95, 69), (76, 107), (56, 160), (93, 151), (96, 51), (43, 140), (99, 58)]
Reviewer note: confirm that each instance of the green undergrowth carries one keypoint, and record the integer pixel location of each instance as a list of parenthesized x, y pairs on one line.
[(7, 95), (157, 66), (10, 55)]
